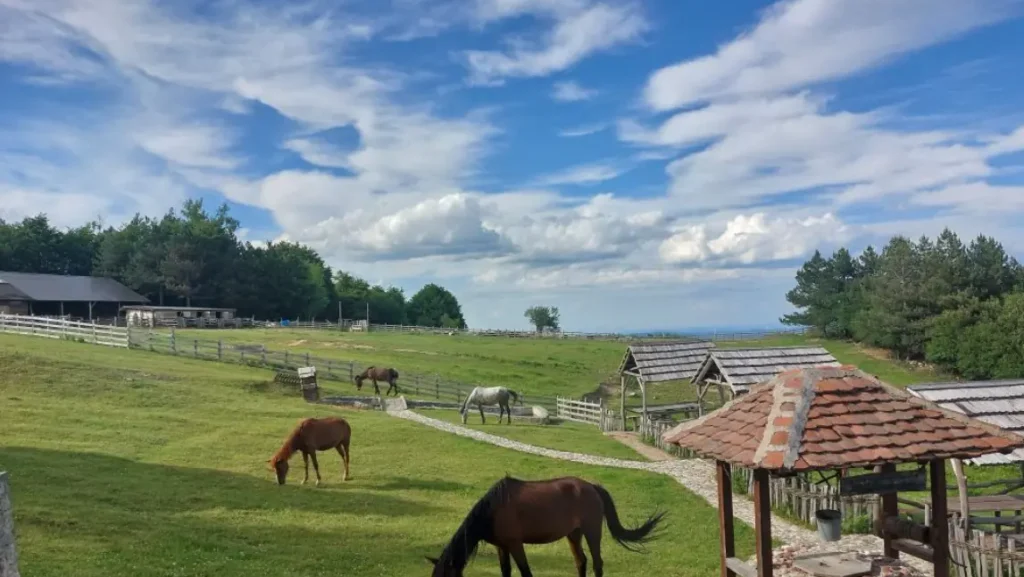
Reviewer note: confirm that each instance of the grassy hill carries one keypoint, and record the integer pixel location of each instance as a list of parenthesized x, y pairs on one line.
[(129, 462), (547, 367)]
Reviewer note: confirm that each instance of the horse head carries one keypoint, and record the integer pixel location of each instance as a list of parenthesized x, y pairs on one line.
[(279, 467), (359, 382), (440, 570)]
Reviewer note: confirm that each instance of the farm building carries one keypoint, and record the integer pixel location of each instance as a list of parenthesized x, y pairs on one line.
[(161, 316), (52, 294), (738, 369), (659, 363)]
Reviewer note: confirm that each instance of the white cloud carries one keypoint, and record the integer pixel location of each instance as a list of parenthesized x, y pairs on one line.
[(579, 31), (583, 174), (582, 130), (753, 238), (800, 43), (572, 92)]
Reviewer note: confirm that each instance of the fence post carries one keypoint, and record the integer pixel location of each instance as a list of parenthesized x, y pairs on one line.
[(95, 339), (263, 354), (174, 345), (8, 550), (328, 367), (195, 348), (437, 386), (287, 361), (307, 358), (351, 371), (220, 350)]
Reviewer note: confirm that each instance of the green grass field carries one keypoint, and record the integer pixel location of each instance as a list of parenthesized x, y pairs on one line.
[(546, 367), (566, 436), (132, 463)]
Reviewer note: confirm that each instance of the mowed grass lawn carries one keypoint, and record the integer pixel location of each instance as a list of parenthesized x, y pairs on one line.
[(565, 436), (132, 463)]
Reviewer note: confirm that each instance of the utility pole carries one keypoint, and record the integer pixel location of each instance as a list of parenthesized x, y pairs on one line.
[(367, 315)]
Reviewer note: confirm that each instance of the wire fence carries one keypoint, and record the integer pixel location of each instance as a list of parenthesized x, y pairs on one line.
[(331, 369)]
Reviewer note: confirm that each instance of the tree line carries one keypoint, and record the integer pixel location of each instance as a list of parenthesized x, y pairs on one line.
[(195, 258), (960, 307)]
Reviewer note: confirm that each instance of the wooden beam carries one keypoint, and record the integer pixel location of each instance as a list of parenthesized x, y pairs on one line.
[(740, 567), (961, 487), (726, 529), (763, 523), (921, 551), (940, 521)]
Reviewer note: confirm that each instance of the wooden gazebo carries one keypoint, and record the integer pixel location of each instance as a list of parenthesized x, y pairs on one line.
[(832, 419), (739, 369), (659, 363)]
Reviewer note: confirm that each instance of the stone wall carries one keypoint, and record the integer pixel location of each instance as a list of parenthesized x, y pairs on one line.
[(8, 553)]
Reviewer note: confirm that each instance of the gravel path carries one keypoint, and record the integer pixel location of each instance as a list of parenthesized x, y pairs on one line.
[(697, 475)]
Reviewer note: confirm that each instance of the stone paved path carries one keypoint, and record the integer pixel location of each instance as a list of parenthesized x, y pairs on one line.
[(697, 475), (632, 441)]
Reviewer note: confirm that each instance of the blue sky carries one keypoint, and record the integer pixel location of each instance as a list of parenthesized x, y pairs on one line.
[(640, 165)]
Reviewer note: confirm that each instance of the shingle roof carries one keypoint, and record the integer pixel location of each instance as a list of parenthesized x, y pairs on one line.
[(670, 361), (742, 368), (53, 287), (835, 417), (1000, 403)]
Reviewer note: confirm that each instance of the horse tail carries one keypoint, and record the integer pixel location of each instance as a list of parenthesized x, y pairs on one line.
[(622, 535)]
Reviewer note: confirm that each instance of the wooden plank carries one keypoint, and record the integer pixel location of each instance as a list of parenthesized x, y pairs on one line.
[(940, 524), (883, 483), (739, 567), (763, 522), (923, 552)]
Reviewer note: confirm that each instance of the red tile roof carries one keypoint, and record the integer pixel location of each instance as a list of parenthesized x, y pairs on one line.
[(835, 417)]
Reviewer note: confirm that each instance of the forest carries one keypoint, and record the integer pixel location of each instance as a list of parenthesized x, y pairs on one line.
[(959, 307), (195, 258)]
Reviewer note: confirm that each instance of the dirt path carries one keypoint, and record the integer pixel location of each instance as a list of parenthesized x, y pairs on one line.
[(632, 441)]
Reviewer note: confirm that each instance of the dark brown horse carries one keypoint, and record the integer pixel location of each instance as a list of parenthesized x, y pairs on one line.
[(514, 512), (310, 436), (386, 374)]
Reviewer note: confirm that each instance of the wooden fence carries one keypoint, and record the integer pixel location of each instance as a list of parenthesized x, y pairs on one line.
[(338, 370), (587, 412), (57, 328), (982, 553)]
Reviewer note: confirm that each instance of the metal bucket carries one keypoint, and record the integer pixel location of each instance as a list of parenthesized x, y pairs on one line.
[(830, 524)]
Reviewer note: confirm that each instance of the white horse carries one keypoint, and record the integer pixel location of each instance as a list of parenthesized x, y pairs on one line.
[(489, 396)]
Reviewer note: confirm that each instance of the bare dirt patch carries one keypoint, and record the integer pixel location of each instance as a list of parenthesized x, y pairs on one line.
[(880, 354), (342, 345), (415, 351), (297, 343)]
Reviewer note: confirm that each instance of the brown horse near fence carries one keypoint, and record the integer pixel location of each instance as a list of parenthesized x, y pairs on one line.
[(310, 436), (386, 374), (515, 512)]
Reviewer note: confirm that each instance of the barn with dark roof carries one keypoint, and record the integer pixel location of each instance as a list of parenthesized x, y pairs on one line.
[(51, 294)]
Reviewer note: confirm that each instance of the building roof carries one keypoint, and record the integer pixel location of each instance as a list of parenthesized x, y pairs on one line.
[(741, 368), (9, 293), (66, 288), (668, 361), (1000, 403), (832, 418)]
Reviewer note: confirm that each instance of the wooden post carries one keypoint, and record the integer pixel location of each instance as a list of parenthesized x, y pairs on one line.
[(961, 486), (622, 400), (220, 350), (195, 348), (887, 507), (726, 531), (174, 346), (263, 354), (763, 523), (8, 550), (940, 521), (307, 359)]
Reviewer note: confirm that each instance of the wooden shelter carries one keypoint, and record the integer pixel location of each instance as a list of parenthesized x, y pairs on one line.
[(659, 363), (833, 419), (739, 369)]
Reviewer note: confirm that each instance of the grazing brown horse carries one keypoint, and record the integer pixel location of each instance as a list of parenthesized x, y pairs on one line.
[(310, 436), (515, 512), (386, 374)]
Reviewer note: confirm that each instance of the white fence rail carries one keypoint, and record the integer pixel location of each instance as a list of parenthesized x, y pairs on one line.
[(56, 328)]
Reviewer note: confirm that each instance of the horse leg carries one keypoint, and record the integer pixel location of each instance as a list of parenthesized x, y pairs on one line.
[(576, 546), (482, 419), (343, 451), (316, 467), (305, 461), (519, 555), (594, 544), (376, 389), (505, 562)]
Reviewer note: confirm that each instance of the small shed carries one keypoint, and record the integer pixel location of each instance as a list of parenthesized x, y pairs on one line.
[(160, 316), (739, 369), (831, 419), (659, 362)]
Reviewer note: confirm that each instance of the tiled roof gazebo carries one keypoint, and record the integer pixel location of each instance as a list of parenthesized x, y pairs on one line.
[(834, 418)]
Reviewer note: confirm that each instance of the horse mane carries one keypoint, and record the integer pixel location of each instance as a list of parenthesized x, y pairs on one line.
[(288, 447), (477, 526)]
